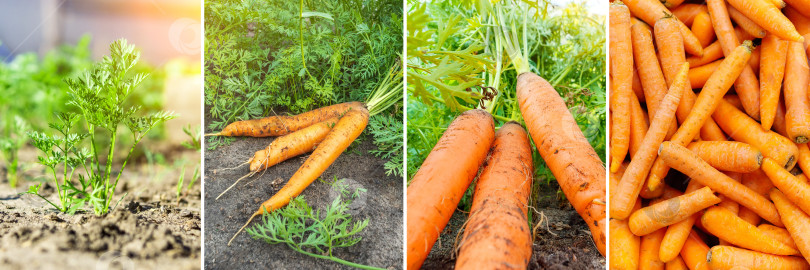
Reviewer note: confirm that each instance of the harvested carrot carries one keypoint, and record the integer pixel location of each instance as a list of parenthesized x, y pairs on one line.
[(796, 222), (729, 155), (660, 215), (649, 70), (621, 70), (567, 153), (802, 22), (749, 216), (769, 17), (651, 11), (676, 234), (345, 131), (686, 13), (728, 257), (676, 264), (745, 23), (797, 77), (702, 28), (728, 226), (699, 75), (630, 185), (497, 232), (282, 125), (694, 252), (804, 158), (638, 125), (624, 246), (436, 189), (687, 162), (779, 121), (744, 129), (780, 234), (796, 190), (774, 56), (648, 254), (637, 90), (710, 54), (802, 6)]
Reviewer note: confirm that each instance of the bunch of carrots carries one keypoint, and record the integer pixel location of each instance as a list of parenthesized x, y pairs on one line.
[(497, 233), (672, 68)]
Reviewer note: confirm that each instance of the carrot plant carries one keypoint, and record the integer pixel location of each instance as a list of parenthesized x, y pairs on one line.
[(13, 139), (98, 98)]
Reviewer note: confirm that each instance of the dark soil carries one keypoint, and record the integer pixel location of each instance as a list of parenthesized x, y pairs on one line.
[(382, 239), (149, 229), (563, 240)]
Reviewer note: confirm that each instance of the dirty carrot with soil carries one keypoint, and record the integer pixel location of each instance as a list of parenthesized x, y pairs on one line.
[(282, 125)]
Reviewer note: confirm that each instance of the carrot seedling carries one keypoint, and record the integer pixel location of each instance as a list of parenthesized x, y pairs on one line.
[(10, 143)]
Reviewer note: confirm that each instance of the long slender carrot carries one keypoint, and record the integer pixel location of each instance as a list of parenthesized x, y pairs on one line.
[(780, 234), (676, 264), (728, 156), (797, 77), (687, 162), (648, 254), (282, 125), (769, 17), (804, 158), (744, 129), (676, 234), (621, 70), (436, 189), (638, 125), (347, 129), (796, 222), (728, 257), (567, 153), (660, 215), (773, 59), (746, 85), (686, 13), (624, 246), (702, 28), (651, 11), (649, 70), (728, 226), (694, 252), (745, 23), (711, 94), (630, 185), (497, 232), (637, 89), (796, 190), (699, 75), (710, 54), (802, 22)]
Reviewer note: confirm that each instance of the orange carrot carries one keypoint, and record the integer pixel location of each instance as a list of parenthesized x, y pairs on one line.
[(702, 28), (779, 121), (768, 16), (282, 125), (638, 125), (651, 11), (660, 215), (649, 70), (648, 257), (797, 77), (624, 246), (436, 189), (802, 6), (796, 190), (699, 75), (637, 89), (567, 153), (804, 158), (710, 54), (497, 232), (774, 55), (802, 22), (694, 252), (687, 12), (621, 70), (796, 222), (347, 129), (677, 233), (630, 185), (745, 23), (728, 226), (754, 61), (687, 162), (728, 257), (676, 264), (744, 129), (780, 234), (728, 156), (749, 216)]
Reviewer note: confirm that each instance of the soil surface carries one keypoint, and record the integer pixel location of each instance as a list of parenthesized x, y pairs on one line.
[(149, 229), (382, 238), (563, 240)]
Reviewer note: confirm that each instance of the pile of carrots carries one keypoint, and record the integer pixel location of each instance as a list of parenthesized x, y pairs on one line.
[(745, 203), (326, 132), (497, 234)]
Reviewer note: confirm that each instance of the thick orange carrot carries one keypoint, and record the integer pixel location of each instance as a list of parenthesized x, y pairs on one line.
[(282, 125), (436, 189), (567, 153), (497, 232), (768, 16), (660, 215), (758, 181), (711, 94), (796, 190), (728, 257), (676, 234), (651, 11), (616, 176), (797, 77), (699, 75), (694, 252), (624, 246), (676, 264), (802, 6), (746, 85), (710, 54), (796, 222), (802, 22), (638, 125), (686, 13), (773, 57), (744, 129), (687, 162), (621, 70), (347, 129), (729, 155), (780, 234), (702, 28), (630, 185), (728, 226), (745, 23), (649, 70), (648, 255), (804, 158), (749, 216)]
